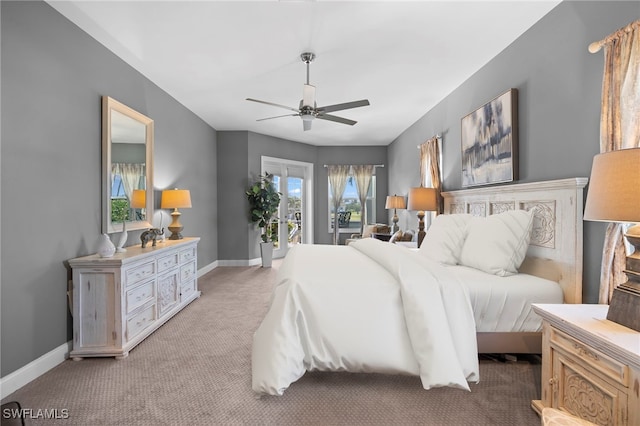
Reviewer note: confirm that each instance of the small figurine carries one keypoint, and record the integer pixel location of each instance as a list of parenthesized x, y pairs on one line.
[(150, 235)]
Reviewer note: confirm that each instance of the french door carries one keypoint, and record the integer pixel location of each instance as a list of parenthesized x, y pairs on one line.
[(294, 222)]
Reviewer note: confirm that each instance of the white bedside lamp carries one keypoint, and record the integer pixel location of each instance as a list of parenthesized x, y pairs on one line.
[(395, 202), (614, 196), (422, 199)]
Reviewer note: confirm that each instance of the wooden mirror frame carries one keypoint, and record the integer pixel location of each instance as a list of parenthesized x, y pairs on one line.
[(108, 106)]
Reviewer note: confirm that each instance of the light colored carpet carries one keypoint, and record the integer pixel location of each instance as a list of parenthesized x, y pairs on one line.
[(196, 370)]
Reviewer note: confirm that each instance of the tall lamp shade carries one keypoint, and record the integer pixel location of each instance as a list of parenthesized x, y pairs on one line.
[(395, 202), (422, 199), (175, 199), (614, 196)]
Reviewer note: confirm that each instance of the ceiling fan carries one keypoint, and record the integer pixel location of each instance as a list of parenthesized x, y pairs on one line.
[(308, 110)]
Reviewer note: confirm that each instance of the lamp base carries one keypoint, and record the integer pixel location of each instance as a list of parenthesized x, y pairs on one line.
[(394, 227), (421, 232), (624, 307), (175, 226)]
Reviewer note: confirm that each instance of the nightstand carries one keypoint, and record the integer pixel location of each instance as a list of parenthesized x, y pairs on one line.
[(590, 365)]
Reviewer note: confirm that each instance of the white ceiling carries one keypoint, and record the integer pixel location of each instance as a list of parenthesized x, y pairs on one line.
[(404, 57)]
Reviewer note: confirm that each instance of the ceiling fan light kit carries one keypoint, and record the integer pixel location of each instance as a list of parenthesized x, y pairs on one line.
[(308, 110)]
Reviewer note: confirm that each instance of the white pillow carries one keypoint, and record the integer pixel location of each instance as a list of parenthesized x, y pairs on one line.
[(498, 244), (445, 237)]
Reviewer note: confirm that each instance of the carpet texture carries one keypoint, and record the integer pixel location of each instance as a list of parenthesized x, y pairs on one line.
[(196, 370)]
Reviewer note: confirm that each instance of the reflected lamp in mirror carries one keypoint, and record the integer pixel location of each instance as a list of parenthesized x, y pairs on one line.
[(395, 202), (422, 199), (175, 199), (614, 196)]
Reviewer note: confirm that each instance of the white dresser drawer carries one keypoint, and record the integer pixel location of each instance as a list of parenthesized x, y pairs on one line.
[(187, 255), (139, 273), (187, 289), (167, 262), (139, 295), (188, 272), (138, 322)]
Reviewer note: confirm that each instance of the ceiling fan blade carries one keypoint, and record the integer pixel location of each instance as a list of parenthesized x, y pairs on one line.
[(336, 119), (306, 125), (308, 95), (278, 116), (346, 105), (272, 104)]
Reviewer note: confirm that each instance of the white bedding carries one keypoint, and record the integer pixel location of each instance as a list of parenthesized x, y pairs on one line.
[(375, 307)]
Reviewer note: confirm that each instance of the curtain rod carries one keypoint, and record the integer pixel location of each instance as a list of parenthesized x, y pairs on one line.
[(375, 165), (438, 136), (597, 45)]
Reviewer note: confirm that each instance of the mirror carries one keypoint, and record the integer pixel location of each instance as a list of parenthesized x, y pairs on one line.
[(127, 168)]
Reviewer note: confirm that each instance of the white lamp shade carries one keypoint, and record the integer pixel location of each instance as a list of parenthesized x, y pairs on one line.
[(395, 202), (422, 199), (139, 199), (308, 95), (175, 199), (614, 187)]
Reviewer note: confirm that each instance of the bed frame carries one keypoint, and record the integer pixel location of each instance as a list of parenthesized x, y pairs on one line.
[(555, 250)]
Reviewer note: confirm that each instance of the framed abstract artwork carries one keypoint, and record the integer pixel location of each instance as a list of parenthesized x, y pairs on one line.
[(490, 142)]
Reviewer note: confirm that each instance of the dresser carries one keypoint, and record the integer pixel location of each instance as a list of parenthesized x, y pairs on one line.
[(590, 365), (118, 301)]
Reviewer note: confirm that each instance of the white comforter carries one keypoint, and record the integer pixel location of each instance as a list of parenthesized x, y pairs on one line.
[(367, 307)]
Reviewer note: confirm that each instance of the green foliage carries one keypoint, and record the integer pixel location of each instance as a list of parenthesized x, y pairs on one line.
[(119, 209), (264, 201)]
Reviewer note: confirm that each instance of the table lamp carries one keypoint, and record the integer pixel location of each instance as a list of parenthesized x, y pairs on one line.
[(175, 199), (422, 199), (395, 202), (614, 196)]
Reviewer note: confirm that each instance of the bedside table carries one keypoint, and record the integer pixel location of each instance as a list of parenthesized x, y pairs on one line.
[(590, 365)]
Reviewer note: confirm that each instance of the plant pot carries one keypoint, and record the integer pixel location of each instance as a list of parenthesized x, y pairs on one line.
[(266, 252)]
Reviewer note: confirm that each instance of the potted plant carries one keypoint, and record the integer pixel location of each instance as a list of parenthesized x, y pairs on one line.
[(264, 201)]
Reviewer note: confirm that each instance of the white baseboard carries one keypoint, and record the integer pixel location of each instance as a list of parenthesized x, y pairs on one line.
[(250, 262), (208, 268), (14, 381)]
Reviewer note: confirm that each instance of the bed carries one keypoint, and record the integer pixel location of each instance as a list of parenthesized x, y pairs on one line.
[(373, 306)]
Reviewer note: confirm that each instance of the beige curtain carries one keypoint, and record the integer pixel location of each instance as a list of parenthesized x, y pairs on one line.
[(338, 175), (362, 174), (619, 129), (430, 168)]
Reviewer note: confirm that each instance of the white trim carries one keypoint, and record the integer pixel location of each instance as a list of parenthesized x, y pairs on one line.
[(250, 262), (208, 268), (36, 368)]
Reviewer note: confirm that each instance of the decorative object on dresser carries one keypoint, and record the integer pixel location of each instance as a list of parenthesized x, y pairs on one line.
[(614, 196), (150, 235), (422, 199), (119, 301), (395, 202), (105, 246), (175, 199), (590, 365), (490, 142)]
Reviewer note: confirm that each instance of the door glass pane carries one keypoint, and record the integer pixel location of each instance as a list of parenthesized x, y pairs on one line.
[(294, 210), (274, 227)]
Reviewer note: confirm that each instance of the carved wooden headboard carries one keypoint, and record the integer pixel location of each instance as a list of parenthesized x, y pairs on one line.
[(555, 250)]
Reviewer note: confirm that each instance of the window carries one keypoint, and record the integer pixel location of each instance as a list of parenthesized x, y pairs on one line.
[(350, 211)]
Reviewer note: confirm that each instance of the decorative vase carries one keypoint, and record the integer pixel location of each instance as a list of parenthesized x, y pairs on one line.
[(105, 246), (123, 238), (266, 252)]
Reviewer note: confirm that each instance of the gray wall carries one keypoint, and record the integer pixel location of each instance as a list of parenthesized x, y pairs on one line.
[(53, 77), (559, 84)]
